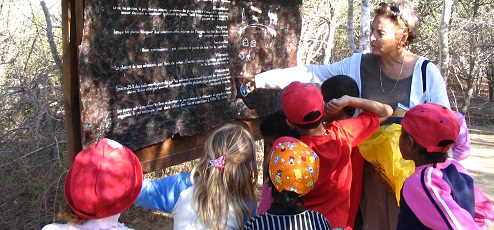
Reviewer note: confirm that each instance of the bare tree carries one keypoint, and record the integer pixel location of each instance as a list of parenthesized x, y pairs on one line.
[(444, 38), (333, 24), (32, 143), (351, 40), (365, 25), (490, 79), (51, 40), (471, 49), (320, 24), (364, 42)]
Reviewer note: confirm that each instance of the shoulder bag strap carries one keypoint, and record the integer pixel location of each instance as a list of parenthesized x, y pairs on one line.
[(424, 68)]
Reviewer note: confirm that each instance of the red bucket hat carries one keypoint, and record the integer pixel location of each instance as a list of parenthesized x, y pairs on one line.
[(429, 124), (299, 99), (104, 180)]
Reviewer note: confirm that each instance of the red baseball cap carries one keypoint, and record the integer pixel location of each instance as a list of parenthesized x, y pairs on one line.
[(429, 124), (299, 99), (104, 180)]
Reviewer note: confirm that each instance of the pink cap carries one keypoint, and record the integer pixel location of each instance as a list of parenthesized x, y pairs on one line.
[(429, 124), (283, 139), (299, 99), (104, 180)]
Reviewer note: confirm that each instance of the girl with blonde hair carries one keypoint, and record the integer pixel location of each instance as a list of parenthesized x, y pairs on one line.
[(219, 191)]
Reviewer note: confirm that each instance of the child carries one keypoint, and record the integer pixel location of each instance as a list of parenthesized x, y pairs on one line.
[(222, 195), (337, 87), (293, 170), (103, 181), (304, 108), (273, 126), (333, 88), (440, 194)]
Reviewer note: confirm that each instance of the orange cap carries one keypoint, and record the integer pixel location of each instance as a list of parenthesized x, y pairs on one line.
[(293, 167)]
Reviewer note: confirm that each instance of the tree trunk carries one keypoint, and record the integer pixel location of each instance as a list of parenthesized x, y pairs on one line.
[(365, 25), (332, 31), (444, 39), (303, 53), (349, 21), (490, 79), (51, 41), (472, 73)]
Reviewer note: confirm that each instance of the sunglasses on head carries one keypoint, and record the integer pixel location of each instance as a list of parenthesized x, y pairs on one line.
[(392, 8), (395, 10)]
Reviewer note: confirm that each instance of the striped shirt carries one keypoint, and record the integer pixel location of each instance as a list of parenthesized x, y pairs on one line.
[(300, 220)]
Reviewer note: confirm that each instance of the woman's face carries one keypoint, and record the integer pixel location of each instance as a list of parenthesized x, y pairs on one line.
[(385, 35)]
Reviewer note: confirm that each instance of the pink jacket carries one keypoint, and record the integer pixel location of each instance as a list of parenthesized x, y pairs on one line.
[(444, 197)]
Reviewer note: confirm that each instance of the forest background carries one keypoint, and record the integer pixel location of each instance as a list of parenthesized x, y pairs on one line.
[(457, 36)]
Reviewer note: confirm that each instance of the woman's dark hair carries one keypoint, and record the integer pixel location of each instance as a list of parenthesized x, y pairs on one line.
[(336, 87), (285, 198)]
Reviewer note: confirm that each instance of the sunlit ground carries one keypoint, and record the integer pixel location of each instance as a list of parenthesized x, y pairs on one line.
[(480, 163)]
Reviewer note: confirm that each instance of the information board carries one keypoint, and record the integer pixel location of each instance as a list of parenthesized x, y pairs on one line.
[(150, 70)]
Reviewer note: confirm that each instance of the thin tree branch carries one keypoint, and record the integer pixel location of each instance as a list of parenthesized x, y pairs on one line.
[(51, 41)]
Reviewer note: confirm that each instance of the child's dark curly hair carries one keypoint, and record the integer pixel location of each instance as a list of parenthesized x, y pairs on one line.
[(434, 157), (285, 198), (274, 125)]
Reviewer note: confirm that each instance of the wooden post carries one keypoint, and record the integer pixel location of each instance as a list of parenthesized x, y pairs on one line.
[(72, 21)]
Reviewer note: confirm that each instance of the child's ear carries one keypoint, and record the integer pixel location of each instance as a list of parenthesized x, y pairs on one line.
[(290, 124), (409, 141)]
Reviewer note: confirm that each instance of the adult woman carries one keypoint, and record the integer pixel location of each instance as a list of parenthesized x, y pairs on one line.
[(390, 74)]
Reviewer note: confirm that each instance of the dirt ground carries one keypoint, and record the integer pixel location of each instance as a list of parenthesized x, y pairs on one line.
[(480, 164)]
